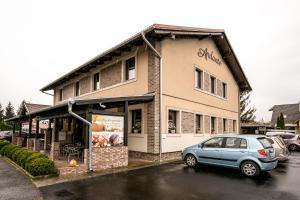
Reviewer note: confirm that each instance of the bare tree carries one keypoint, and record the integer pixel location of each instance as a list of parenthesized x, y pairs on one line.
[(247, 112)]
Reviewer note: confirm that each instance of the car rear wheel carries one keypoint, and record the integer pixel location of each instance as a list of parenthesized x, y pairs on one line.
[(190, 160), (293, 147), (250, 169)]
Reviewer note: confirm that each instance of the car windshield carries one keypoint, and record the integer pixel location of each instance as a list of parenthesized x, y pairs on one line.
[(265, 142)]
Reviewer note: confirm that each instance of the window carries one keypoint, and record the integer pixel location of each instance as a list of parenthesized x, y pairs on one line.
[(130, 69), (213, 125), (199, 124), (234, 126), (96, 81), (213, 143), (77, 89), (225, 125), (198, 78), (265, 142), (136, 121), (236, 143), (224, 90), (172, 121), (60, 94), (212, 84)]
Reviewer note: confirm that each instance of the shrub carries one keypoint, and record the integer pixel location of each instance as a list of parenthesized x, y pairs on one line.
[(32, 157), (6, 149), (3, 143), (41, 166), (16, 154), (12, 150), (23, 156)]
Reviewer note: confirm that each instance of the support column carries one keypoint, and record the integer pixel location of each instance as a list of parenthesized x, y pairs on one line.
[(30, 127), (126, 123), (54, 152), (20, 129), (86, 140)]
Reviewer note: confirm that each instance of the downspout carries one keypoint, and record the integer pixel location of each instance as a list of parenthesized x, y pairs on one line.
[(160, 93), (70, 104)]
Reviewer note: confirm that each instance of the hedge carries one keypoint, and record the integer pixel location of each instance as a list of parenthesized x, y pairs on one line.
[(35, 163)]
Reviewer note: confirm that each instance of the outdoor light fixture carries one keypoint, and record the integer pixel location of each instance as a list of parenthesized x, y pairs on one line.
[(102, 106)]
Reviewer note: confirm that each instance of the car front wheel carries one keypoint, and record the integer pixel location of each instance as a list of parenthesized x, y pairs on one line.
[(190, 160), (250, 169)]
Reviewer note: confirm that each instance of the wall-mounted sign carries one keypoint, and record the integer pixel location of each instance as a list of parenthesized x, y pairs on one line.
[(107, 130), (203, 53)]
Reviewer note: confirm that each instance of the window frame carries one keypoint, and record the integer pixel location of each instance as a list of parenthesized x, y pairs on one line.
[(126, 72), (95, 83), (198, 74), (132, 120), (177, 121), (77, 90), (215, 124), (225, 125), (224, 90), (212, 84), (240, 142), (201, 118), (222, 144)]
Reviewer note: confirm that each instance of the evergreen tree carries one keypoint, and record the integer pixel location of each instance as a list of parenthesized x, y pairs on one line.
[(280, 122), (21, 110), (247, 113), (9, 111), (1, 113)]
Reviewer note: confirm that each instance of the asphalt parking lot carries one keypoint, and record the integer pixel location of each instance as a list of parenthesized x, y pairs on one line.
[(176, 181)]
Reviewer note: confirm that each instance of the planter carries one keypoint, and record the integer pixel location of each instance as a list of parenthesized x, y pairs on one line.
[(135, 131)]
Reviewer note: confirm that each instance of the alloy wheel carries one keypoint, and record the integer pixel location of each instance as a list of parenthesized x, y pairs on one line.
[(191, 160), (249, 169), (293, 147)]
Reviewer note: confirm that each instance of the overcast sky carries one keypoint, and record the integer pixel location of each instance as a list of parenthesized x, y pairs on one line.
[(42, 40)]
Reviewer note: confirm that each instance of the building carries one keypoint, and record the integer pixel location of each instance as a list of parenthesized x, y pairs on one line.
[(255, 128), (172, 86), (291, 115)]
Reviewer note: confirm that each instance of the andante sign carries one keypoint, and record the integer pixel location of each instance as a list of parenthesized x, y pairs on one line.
[(203, 53)]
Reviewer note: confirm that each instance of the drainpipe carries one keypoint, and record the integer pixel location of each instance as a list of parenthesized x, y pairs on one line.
[(160, 93), (70, 104)]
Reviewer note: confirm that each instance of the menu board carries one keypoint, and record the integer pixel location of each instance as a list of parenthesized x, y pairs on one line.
[(107, 130)]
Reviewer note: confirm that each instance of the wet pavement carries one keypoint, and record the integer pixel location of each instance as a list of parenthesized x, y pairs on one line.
[(15, 185), (176, 181)]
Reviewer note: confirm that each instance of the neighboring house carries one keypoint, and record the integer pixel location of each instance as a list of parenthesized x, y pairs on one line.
[(291, 114), (174, 85), (255, 128)]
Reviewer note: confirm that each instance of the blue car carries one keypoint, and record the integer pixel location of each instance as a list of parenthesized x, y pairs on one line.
[(249, 153)]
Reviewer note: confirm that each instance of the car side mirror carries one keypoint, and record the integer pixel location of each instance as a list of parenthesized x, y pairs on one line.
[(200, 146)]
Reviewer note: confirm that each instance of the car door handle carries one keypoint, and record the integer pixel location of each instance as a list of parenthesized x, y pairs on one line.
[(243, 151)]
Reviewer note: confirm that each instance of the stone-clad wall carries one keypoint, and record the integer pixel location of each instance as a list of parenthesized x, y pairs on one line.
[(219, 87), (111, 75), (109, 157), (187, 122), (206, 124), (85, 85), (153, 107), (206, 82), (68, 91)]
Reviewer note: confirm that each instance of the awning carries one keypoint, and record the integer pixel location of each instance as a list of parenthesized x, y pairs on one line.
[(81, 105)]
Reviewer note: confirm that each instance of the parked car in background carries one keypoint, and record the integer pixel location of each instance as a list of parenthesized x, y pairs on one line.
[(291, 140), (249, 153), (6, 135), (281, 151)]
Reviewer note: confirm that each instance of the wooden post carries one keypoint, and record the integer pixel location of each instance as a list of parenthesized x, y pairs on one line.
[(30, 127), (126, 123), (37, 129), (14, 128), (20, 129)]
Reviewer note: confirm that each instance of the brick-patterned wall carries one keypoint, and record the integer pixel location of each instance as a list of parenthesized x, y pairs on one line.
[(153, 107), (206, 82), (111, 75), (85, 85), (220, 125), (176, 155), (219, 87), (206, 124), (109, 157), (68, 91), (187, 122)]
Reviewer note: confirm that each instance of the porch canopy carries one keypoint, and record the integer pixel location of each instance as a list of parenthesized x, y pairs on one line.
[(85, 108)]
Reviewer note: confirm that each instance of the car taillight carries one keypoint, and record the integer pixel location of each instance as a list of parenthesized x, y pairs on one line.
[(262, 152), (298, 140)]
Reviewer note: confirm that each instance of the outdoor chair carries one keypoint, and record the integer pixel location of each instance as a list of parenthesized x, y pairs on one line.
[(73, 151)]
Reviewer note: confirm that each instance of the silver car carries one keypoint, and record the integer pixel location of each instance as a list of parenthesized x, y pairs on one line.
[(281, 151), (291, 140)]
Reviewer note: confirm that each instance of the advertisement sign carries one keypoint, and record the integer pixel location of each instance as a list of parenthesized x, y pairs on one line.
[(107, 130), (43, 125)]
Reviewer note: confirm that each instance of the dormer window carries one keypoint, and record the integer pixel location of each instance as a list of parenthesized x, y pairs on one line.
[(130, 69)]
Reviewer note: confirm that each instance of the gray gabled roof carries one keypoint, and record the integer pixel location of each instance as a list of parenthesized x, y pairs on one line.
[(160, 31), (291, 111)]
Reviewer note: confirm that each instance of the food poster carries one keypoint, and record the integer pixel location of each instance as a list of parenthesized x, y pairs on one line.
[(107, 130)]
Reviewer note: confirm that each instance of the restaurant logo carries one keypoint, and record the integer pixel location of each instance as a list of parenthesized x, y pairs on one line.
[(208, 55)]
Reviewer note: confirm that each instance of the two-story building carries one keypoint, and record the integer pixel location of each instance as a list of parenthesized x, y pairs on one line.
[(174, 86)]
